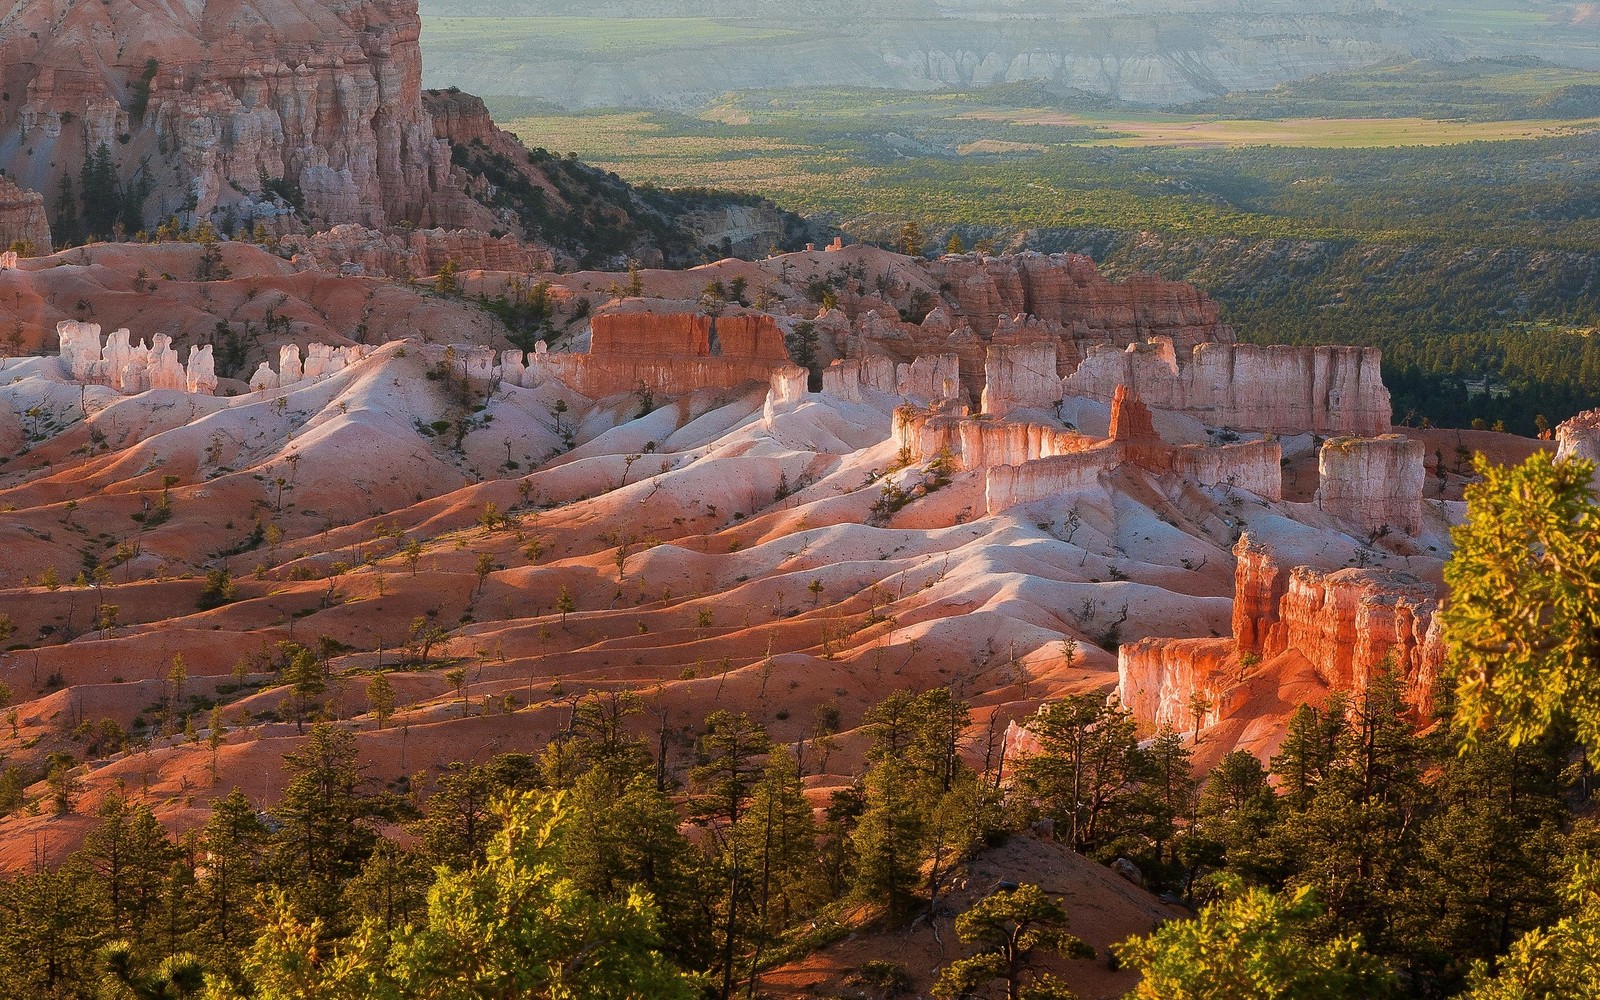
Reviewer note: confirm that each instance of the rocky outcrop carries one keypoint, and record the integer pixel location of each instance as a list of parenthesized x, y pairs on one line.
[(1280, 390), (1580, 438), (1056, 462), (1373, 485), (645, 328), (655, 347), (1354, 623), (981, 442), (323, 100), (133, 368), (1346, 626), (1181, 684), (22, 219), (926, 380), (1020, 376), (357, 251), (1074, 302)]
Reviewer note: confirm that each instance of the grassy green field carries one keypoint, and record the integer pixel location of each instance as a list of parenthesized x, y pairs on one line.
[(596, 35)]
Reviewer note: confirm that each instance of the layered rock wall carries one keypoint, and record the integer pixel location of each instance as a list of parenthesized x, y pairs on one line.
[(1068, 293), (324, 100), (929, 380), (1347, 626), (1020, 376), (978, 443), (1181, 684), (1280, 390), (642, 330), (1007, 486), (1373, 486)]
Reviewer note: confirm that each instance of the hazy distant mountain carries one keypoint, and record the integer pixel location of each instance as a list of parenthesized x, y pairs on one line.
[(619, 52)]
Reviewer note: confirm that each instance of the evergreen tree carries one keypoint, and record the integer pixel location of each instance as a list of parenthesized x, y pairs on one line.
[(725, 776), (325, 823), (1087, 772), (778, 837), (1253, 945), (305, 681), (517, 925), (1523, 620), (233, 843), (132, 854), (1010, 927), (886, 844)]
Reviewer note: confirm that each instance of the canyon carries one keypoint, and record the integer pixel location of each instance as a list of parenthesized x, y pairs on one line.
[(671, 458)]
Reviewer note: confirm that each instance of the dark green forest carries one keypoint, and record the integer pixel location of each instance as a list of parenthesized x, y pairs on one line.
[(714, 864)]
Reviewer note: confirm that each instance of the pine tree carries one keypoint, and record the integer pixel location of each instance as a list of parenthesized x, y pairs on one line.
[(726, 776), (305, 681), (778, 837), (233, 843), (1523, 620), (1010, 927), (380, 698), (1252, 945), (325, 822)]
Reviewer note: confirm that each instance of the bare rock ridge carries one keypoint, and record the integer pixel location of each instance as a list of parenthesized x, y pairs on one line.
[(279, 113)]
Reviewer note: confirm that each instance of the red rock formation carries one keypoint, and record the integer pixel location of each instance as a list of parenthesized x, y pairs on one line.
[(1130, 419), (1348, 626), (639, 328), (355, 250), (1069, 291), (1179, 683), (1259, 586), (22, 218), (667, 350), (327, 96)]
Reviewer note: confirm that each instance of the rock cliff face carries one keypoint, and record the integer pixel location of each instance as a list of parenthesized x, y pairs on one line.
[(299, 115), (1374, 485), (325, 98), (644, 329), (668, 348), (1285, 390), (1068, 292), (22, 218), (1347, 626)]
